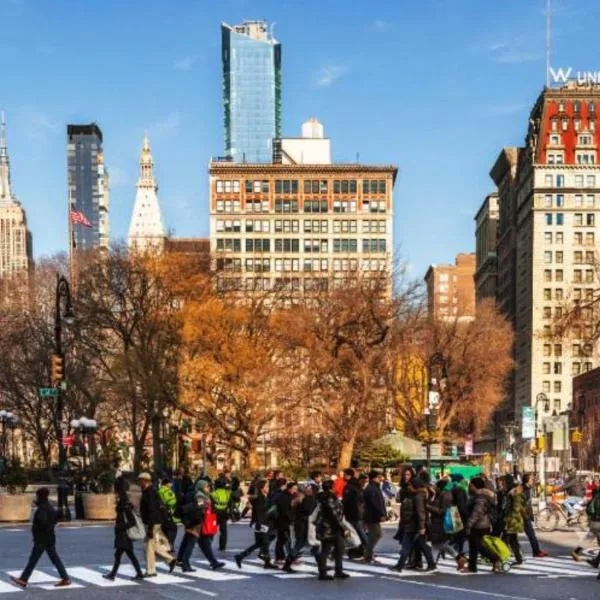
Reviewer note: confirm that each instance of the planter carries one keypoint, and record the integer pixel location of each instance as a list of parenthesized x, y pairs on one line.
[(15, 508), (99, 507)]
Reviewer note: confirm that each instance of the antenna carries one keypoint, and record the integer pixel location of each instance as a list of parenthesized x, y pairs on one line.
[(548, 41)]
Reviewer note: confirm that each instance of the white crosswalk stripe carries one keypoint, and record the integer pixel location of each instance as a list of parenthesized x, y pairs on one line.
[(91, 576)]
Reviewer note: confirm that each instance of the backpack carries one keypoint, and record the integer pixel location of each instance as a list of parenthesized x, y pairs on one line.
[(209, 523), (593, 508)]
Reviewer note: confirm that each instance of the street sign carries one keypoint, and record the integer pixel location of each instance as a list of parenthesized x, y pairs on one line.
[(68, 441), (469, 446), (434, 398), (47, 392), (528, 423)]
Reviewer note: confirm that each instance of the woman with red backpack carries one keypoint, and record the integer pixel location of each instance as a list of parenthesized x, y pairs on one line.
[(200, 521)]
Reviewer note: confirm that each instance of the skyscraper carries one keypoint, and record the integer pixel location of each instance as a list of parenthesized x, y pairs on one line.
[(146, 231), (88, 185), (15, 239), (251, 91)]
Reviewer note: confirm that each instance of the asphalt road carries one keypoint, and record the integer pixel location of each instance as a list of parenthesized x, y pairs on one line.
[(87, 553)]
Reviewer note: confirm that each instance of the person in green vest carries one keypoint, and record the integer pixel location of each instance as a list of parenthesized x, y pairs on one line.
[(168, 500), (221, 498)]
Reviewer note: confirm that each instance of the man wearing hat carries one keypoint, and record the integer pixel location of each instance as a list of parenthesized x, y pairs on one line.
[(156, 542), (375, 512)]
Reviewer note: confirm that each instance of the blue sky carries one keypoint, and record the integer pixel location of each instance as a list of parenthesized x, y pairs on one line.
[(436, 87)]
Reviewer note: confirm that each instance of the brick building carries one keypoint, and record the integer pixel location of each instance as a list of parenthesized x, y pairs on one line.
[(585, 417), (451, 289)]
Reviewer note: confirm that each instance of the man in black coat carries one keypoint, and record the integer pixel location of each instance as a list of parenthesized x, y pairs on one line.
[(330, 532), (375, 513), (152, 517), (44, 540), (413, 516), (354, 505), (281, 504)]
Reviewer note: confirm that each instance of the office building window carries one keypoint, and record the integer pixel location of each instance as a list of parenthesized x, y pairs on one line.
[(548, 238), (344, 186), (560, 200), (560, 219), (548, 217), (558, 275), (591, 180), (558, 257), (559, 237), (558, 368), (590, 219), (560, 181), (547, 275), (286, 186), (548, 181), (548, 201), (287, 245), (546, 368), (579, 181), (548, 256)]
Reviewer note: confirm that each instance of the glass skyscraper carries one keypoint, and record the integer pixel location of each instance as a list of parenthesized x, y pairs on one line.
[(88, 185), (251, 91)]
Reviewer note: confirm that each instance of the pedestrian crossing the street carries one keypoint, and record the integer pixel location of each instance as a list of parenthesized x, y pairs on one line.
[(91, 576)]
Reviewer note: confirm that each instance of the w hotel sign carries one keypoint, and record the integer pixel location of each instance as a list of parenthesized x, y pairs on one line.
[(562, 76)]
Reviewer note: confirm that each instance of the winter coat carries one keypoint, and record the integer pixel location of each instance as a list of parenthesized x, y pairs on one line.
[(528, 503), (515, 513), (150, 507), (282, 500), (482, 508), (44, 523), (331, 516), (461, 501), (375, 509), (353, 501), (124, 521), (338, 487), (437, 510), (260, 517), (413, 511)]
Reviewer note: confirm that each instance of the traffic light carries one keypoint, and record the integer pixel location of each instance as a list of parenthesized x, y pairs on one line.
[(577, 437), (541, 443), (58, 369)]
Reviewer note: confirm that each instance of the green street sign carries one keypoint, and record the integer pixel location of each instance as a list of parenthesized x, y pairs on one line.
[(47, 392)]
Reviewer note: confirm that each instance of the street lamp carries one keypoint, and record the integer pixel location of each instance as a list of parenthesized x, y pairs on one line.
[(436, 384), (541, 398), (63, 293), (85, 427), (10, 420)]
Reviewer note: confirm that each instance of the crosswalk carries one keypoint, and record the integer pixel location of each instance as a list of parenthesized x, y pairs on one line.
[(86, 576)]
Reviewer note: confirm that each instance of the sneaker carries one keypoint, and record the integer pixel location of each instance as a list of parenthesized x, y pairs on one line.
[(172, 565), (540, 554), (217, 566), (270, 565), (576, 554), (20, 582), (188, 570), (288, 569), (63, 583), (138, 577), (238, 560), (325, 577), (397, 568), (593, 562), (109, 576), (342, 575)]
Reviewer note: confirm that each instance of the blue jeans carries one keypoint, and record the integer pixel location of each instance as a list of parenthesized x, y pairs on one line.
[(187, 548), (412, 540), (530, 533), (570, 503), (36, 554)]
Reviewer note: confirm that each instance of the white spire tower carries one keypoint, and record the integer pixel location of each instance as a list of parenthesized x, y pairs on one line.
[(146, 230), (5, 190), (15, 239)]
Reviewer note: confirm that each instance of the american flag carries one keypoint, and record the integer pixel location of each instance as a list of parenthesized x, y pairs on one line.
[(78, 217)]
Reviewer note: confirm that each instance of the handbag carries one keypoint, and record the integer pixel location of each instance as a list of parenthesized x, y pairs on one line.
[(138, 531), (209, 524), (452, 521)]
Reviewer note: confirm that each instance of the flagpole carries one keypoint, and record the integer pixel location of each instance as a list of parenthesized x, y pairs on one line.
[(72, 257)]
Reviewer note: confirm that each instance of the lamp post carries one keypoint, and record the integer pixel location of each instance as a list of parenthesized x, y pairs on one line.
[(84, 427), (63, 293), (10, 420), (436, 384), (541, 398)]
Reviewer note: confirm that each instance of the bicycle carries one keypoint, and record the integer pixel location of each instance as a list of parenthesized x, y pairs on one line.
[(549, 518)]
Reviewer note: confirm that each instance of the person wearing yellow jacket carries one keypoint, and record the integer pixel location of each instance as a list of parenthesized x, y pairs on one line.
[(221, 498), (168, 500)]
